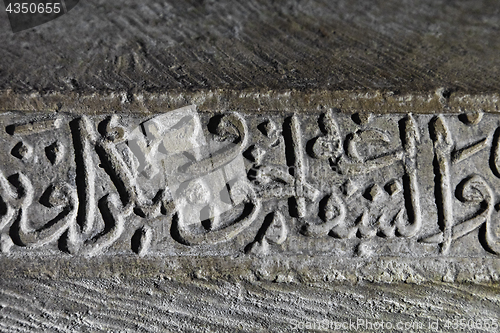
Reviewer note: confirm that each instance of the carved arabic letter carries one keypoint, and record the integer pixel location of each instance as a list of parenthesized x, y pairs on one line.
[(365, 229), (474, 190), (356, 163), (112, 210), (443, 145), (334, 214), (303, 190), (366, 136), (83, 137), (273, 230), (493, 235), (185, 236), (410, 181), (124, 177), (328, 146), (277, 231), (60, 195), (7, 195), (495, 153), (299, 163), (464, 153), (223, 156), (141, 241), (34, 127)]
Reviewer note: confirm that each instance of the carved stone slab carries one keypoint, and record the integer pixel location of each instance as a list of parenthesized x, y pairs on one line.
[(327, 167), (200, 183)]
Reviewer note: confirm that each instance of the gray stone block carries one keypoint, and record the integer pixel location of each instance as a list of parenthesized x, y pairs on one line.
[(257, 167)]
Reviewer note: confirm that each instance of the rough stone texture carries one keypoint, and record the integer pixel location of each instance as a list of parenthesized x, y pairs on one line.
[(335, 45), (270, 209), (351, 150)]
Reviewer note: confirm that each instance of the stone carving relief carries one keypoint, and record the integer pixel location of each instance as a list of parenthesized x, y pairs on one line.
[(195, 182)]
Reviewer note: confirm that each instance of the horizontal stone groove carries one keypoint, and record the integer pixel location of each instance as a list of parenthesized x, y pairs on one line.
[(257, 101), (293, 270)]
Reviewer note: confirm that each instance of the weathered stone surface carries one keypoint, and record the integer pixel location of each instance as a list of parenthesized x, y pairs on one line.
[(121, 303), (188, 183), (335, 162), (250, 199), (125, 46)]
